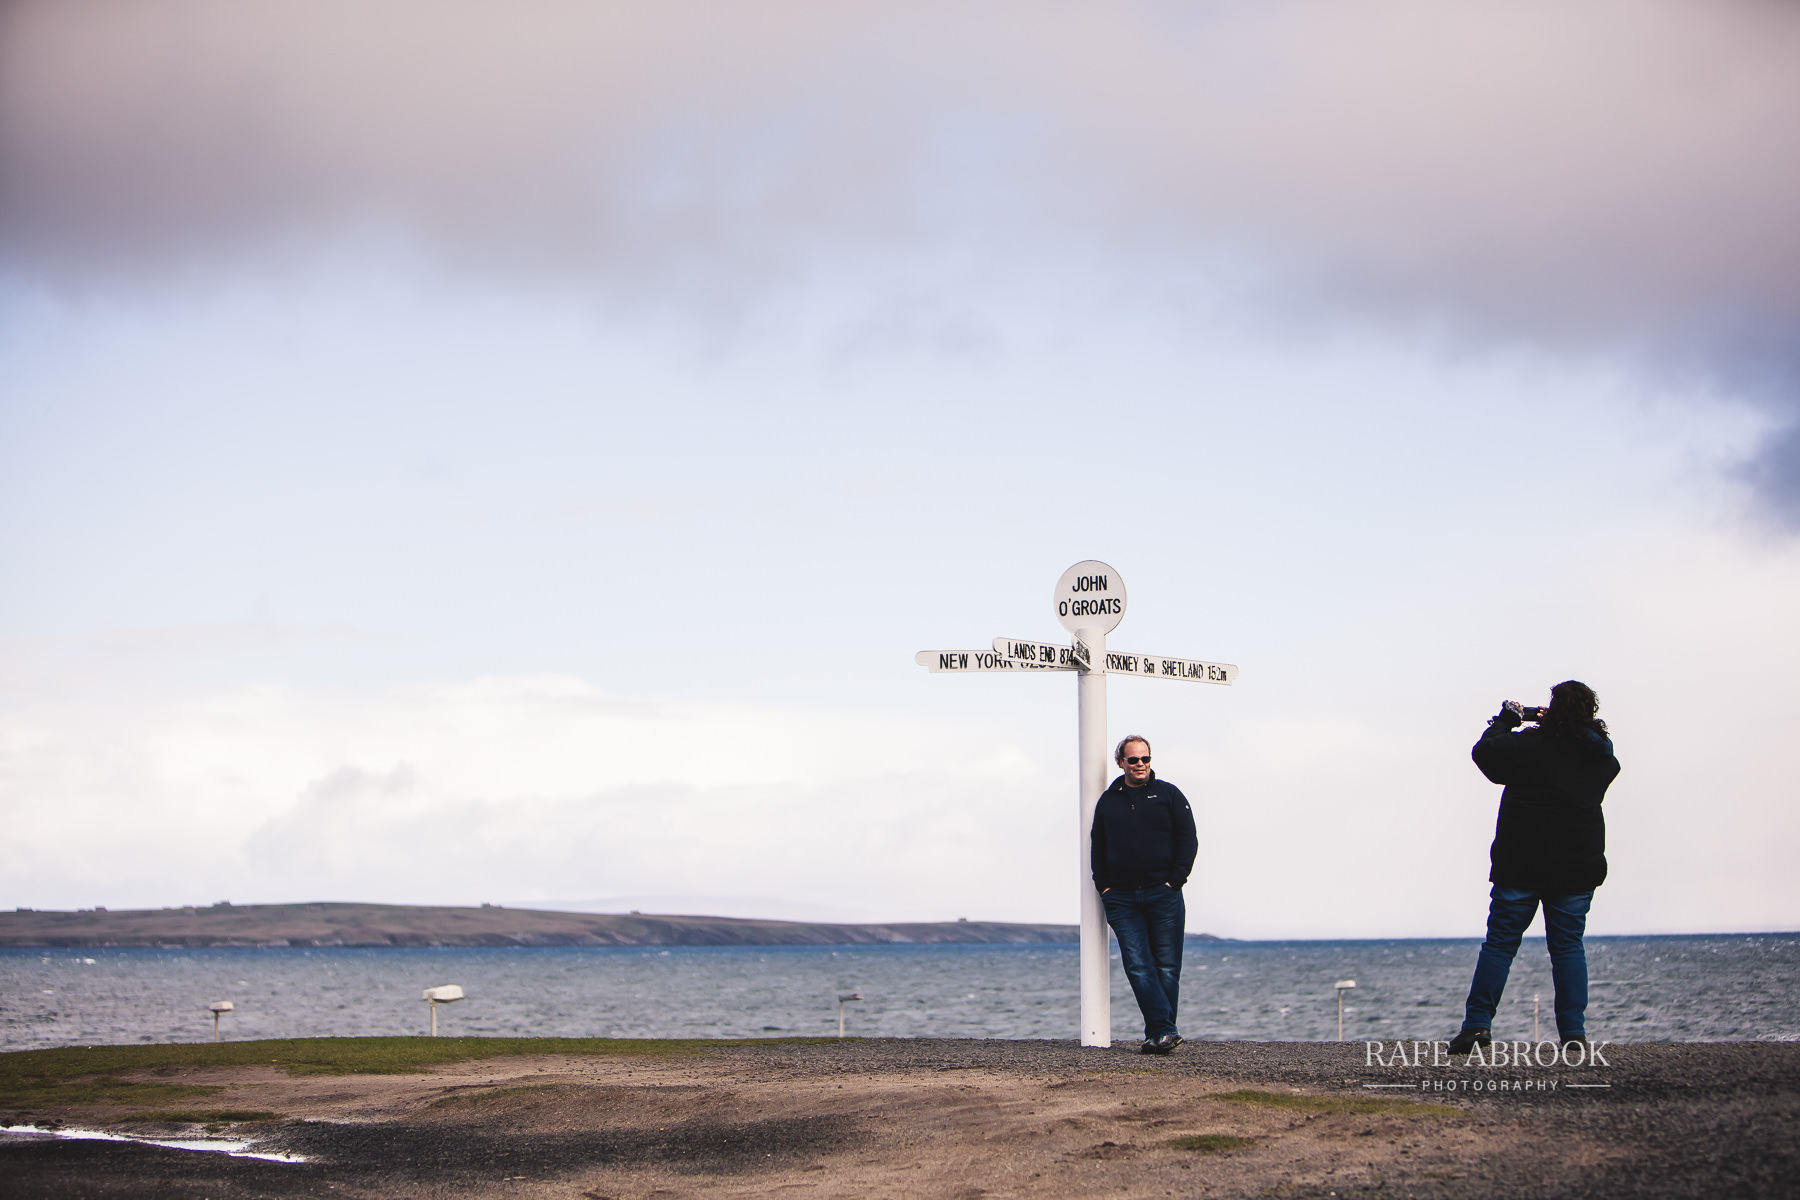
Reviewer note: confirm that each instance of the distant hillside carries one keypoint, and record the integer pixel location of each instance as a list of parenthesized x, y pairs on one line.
[(418, 925)]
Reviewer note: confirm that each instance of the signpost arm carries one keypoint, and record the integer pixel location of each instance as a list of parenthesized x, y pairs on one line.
[(1096, 980)]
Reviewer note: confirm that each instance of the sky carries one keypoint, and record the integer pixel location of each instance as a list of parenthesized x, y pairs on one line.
[(458, 453)]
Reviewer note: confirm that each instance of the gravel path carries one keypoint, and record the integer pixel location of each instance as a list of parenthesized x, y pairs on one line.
[(979, 1118)]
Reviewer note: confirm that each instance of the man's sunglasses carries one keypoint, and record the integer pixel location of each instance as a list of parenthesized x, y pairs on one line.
[(1132, 762)]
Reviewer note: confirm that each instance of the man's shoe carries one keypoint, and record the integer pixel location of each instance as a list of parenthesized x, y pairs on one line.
[(1468, 1039), (1164, 1044), (1149, 1046)]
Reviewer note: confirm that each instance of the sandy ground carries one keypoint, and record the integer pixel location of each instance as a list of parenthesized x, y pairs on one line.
[(962, 1119)]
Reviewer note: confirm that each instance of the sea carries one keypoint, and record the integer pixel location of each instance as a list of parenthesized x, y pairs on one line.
[(1677, 988)]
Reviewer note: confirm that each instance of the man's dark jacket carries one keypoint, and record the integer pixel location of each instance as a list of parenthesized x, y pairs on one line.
[(1551, 836), (1142, 836)]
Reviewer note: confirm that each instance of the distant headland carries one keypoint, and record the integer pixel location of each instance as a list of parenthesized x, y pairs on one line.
[(328, 924)]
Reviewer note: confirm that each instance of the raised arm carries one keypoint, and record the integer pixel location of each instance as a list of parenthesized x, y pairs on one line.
[(1498, 750)]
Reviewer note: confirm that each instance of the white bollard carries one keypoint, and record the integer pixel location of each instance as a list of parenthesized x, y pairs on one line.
[(1096, 965), (843, 999), (449, 993)]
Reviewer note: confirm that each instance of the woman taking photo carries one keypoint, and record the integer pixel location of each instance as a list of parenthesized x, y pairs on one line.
[(1549, 849)]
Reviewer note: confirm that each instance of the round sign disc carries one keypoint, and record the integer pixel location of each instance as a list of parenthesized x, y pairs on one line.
[(1090, 595)]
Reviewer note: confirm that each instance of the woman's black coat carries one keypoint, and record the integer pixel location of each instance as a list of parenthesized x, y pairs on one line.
[(1551, 836)]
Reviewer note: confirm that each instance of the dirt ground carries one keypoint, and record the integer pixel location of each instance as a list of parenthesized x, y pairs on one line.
[(932, 1118)]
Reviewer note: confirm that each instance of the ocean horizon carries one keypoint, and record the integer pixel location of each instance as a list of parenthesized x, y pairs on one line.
[(1674, 987)]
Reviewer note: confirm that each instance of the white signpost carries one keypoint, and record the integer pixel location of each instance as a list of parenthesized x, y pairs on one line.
[(1090, 603)]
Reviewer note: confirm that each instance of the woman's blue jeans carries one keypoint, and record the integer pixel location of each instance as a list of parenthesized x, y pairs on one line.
[(1150, 923), (1565, 920)]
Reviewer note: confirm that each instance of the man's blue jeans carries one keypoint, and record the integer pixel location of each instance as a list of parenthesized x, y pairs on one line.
[(1565, 920), (1149, 923)]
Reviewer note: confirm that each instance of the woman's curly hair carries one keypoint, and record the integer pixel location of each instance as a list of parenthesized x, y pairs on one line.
[(1574, 709)]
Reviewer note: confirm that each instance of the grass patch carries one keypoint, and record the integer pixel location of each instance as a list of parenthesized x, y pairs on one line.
[(204, 1116), (90, 1074), (1339, 1104), (1211, 1143), (29, 1089)]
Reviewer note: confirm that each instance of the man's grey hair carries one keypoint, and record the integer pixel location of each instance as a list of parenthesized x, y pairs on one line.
[(1119, 754)]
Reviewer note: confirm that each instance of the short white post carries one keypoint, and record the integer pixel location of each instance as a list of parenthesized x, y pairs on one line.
[(1096, 964), (844, 998), (1342, 986), (218, 1008), (448, 993)]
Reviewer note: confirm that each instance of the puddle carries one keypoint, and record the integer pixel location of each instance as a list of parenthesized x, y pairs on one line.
[(232, 1147)]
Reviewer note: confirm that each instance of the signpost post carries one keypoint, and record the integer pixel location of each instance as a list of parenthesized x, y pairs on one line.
[(1090, 603)]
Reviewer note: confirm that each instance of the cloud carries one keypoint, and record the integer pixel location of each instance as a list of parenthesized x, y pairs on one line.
[(1332, 784), (872, 843), (1613, 173), (523, 788)]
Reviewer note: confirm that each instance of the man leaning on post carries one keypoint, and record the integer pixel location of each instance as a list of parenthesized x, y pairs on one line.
[(1142, 846)]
